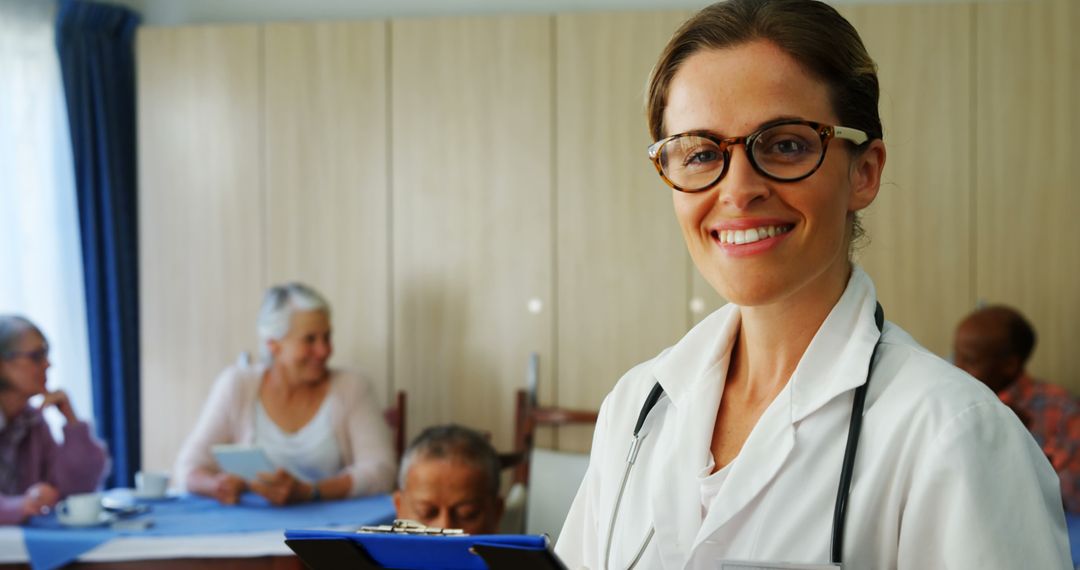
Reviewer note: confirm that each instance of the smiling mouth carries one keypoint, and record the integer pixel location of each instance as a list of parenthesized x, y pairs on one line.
[(750, 235)]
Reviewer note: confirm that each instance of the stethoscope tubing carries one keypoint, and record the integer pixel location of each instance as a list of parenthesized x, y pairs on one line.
[(635, 444), (854, 430)]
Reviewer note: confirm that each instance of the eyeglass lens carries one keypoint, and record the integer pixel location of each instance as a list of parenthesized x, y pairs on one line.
[(783, 152), (37, 356)]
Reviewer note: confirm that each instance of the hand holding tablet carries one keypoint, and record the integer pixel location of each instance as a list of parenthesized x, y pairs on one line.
[(258, 473), (244, 461)]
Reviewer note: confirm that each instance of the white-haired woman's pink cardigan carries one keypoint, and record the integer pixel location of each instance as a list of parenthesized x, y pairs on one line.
[(361, 432)]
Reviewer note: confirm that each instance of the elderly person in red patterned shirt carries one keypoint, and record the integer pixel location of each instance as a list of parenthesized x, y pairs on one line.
[(993, 344)]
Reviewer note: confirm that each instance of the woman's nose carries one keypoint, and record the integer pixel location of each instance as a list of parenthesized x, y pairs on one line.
[(742, 185)]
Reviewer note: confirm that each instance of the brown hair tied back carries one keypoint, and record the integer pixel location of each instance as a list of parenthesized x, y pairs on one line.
[(811, 32)]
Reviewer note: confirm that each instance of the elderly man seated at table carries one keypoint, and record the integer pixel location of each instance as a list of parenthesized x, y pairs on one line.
[(993, 344), (35, 470), (449, 478)]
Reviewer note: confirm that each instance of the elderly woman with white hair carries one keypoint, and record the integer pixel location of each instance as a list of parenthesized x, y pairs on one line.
[(312, 421)]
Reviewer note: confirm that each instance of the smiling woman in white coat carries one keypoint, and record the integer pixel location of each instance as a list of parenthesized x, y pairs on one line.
[(765, 114)]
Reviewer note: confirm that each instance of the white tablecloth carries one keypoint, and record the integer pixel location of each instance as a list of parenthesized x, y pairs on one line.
[(238, 545)]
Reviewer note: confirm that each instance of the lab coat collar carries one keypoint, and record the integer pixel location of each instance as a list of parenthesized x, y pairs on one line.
[(680, 456), (692, 373), (681, 367), (835, 361), (838, 357)]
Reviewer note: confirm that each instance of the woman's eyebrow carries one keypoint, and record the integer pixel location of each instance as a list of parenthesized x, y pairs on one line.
[(755, 128)]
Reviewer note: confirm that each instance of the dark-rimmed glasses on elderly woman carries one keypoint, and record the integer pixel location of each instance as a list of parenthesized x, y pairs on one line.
[(786, 151), (36, 356)]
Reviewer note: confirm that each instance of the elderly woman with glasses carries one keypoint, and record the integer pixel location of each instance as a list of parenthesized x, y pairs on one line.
[(35, 470), (796, 408), (321, 427)]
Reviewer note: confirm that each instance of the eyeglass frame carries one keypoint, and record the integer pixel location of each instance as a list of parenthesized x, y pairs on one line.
[(37, 356), (826, 132)]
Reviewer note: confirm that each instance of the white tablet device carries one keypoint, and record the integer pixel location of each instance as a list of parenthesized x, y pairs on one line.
[(244, 461)]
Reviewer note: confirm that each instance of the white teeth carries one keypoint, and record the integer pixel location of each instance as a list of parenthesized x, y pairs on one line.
[(740, 237)]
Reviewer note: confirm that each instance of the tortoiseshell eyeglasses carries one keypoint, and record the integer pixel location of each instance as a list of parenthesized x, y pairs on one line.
[(786, 151)]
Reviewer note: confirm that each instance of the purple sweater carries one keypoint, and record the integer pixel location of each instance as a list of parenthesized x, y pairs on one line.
[(76, 466)]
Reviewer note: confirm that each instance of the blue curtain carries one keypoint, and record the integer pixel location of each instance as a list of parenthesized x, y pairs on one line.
[(95, 44)]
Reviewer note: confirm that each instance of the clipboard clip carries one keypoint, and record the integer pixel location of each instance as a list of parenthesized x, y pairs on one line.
[(406, 526)]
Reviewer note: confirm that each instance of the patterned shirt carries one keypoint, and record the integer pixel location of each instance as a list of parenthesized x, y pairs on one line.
[(1053, 416)]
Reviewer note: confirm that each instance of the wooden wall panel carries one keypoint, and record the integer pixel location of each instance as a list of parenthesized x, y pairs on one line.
[(472, 225), (920, 250), (327, 181), (622, 266), (200, 252), (1028, 118), (434, 176)]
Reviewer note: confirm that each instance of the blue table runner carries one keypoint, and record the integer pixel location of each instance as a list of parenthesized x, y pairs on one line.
[(51, 545)]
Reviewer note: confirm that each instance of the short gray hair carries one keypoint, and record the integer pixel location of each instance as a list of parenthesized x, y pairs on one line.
[(12, 330), (278, 306), (452, 441)]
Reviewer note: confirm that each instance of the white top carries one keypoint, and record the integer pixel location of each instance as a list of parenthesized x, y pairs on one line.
[(311, 453), (711, 483), (945, 476), (358, 427)]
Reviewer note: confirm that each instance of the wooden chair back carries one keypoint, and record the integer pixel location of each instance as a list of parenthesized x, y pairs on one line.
[(395, 418), (528, 417)]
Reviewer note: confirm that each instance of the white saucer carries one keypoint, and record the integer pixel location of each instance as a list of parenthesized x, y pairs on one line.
[(141, 496), (103, 519)]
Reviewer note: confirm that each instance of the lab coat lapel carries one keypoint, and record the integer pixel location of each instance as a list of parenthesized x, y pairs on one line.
[(678, 502), (835, 362), (761, 458), (692, 375), (838, 357)]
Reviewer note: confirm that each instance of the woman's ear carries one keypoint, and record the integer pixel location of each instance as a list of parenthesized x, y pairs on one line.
[(865, 175)]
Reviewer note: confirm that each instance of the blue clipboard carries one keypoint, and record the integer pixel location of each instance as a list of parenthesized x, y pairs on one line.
[(329, 550)]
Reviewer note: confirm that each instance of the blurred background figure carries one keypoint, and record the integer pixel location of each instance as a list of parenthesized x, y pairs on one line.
[(36, 471), (320, 423), (993, 344), (449, 478)]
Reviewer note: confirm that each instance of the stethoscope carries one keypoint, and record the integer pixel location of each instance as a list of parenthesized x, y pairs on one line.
[(839, 509)]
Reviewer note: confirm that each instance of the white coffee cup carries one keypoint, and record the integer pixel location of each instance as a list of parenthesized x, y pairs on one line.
[(151, 484), (81, 509)]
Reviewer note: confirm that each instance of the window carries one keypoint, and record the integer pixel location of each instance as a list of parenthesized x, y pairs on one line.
[(41, 274)]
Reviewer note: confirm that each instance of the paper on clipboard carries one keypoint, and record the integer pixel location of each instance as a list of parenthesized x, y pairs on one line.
[(244, 461)]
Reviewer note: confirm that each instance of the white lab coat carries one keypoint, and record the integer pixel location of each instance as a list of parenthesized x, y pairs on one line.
[(946, 477)]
